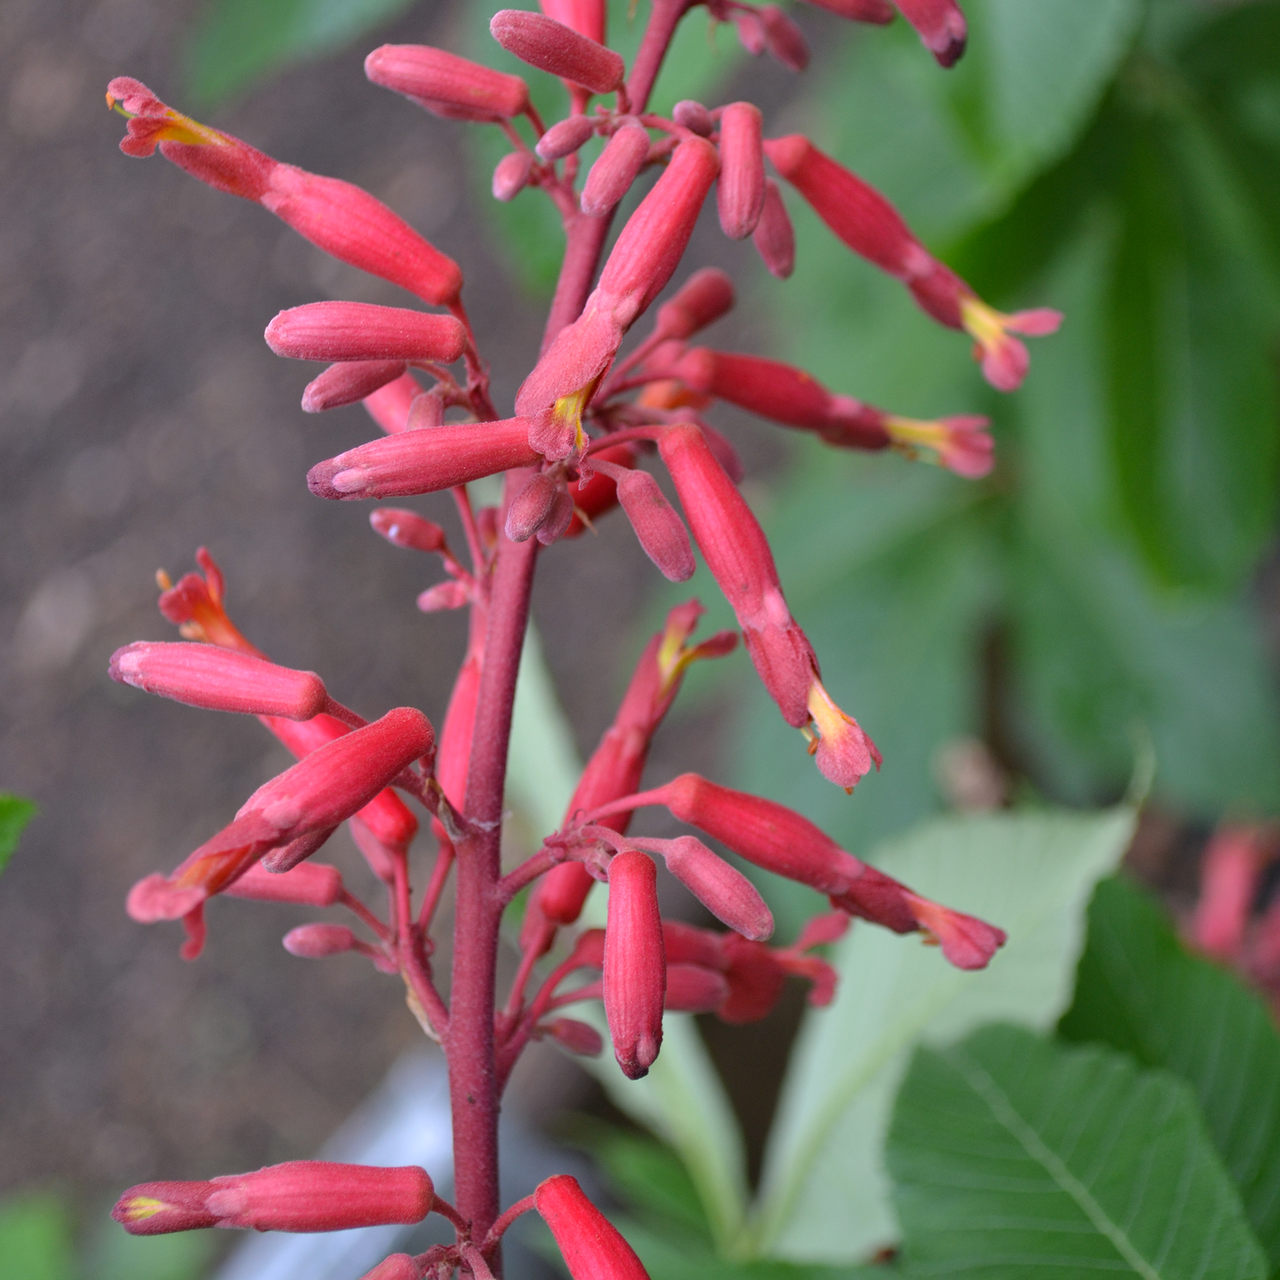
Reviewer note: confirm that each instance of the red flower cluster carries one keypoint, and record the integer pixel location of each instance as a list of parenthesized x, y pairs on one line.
[(586, 416)]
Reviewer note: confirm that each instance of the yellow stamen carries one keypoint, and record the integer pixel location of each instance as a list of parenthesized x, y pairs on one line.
[(983, 323), (570, 408), (915, 431), (142, 1207)]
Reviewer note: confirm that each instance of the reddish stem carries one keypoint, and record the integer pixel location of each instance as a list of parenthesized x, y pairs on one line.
[(509, 1216), (663, 21)]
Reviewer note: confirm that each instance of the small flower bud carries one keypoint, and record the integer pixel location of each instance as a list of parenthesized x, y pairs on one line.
[(530, 507), (347, 382), (634, 965), (345, 221), (592, 1247), (364, 331), (693, 116), (577, 1037), (751, 33), (702, 299), (218, 679), (447, 84), (941, 26), (315, 941), (300, 1195), (425, 410), (443, 596), (722, 889), (558, 519), (565, 137), (310, 884), (511, 175), (403, 528), (617, 168), (553, 47), (586, 17), (784, 40), (658, 529), (693, 989), (415, 462), (740, 193), (774, 236)]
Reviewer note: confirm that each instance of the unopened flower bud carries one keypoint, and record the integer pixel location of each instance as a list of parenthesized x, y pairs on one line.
[(740, 192), (774, 236), (722, 889), (415, 462), (345, 221), (300, 1195), (404, 528), (784, 40), (447, 84), (941, 26), (443, 596), (315, 941), (558, 519), (531, 506), (702, 299), (634, 964), (389, 406), (693, 989), (551, 46), (616, 169), (751, 33), (218, 679), (425, 410), (577, 1037), (347, 382), (511, 175), (364, 331), (658, 529), (310, 884), (586, 17), (565, 137), (591, 1246), (693, 116)]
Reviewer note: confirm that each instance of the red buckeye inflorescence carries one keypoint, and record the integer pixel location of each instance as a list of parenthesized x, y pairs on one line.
[(586, 417)]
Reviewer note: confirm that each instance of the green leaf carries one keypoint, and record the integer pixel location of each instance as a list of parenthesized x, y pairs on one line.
[(36, 1239), (120, 1256), (1097, 646), (15, 813), (238, 42), (1139, 991), (1012, 1154), (824, 1192)]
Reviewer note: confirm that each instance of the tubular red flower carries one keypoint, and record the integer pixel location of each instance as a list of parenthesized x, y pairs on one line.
[(721, 888), (311, 884), (592, 1247), (363, 331), (658, 529), (565, 137), (703, 298), (300, 1195), (861, 217), (941, 26), (218, 679), (586, 17), (740, 191), (617, 764), (784, 40), (389, 406), (551, 46), (774, 236), (343, 220), (446, 84), (635, 967), (1229, 875), (619, 165), (969, 943), (347, 382), (416, 462)]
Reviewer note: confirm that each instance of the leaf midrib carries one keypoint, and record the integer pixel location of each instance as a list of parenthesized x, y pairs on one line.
[(1006, 1115)]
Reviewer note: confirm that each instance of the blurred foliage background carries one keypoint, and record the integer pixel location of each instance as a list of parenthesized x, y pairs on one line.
[(1112, 585)]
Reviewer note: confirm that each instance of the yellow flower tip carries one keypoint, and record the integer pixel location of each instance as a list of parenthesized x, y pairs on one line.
[(140, 1208), (1004, 359), (163, 581)]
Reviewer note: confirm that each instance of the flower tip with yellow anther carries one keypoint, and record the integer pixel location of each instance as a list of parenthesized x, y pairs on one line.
[(961, 444), (1003, 358), (841, 750)]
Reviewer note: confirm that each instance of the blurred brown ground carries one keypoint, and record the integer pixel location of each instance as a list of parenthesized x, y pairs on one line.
[(141, 415)]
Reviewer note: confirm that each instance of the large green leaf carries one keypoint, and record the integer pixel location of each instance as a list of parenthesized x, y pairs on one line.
[(1138, 990), (1013, 1155), (1098, 647), (825, 1193), (15, 813), (238, 42)]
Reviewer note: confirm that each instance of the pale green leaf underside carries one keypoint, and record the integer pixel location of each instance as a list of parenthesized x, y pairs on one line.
[(1014, 1156), (825, 1193)]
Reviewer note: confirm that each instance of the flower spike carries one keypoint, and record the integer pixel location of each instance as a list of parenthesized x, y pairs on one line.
[(343, 220)]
